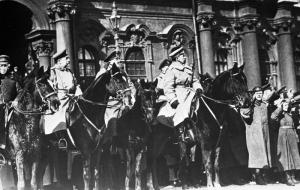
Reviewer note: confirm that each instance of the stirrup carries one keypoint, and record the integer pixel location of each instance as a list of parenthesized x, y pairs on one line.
[(2, 160), (62, 144)]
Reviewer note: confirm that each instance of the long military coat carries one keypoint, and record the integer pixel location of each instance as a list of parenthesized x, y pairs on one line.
[(176, 86), (257, 138)]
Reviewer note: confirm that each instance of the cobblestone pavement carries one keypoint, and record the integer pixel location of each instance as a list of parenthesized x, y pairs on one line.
[(245, 187)]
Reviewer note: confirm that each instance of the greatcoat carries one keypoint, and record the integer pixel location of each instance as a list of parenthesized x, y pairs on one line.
[(257, 138), (287, 145), (63, 82), (177, 86)]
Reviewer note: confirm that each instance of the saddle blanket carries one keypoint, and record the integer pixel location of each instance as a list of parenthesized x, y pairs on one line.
[(57, 121)]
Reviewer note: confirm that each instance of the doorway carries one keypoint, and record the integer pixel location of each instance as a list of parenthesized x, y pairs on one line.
[(15, 22)]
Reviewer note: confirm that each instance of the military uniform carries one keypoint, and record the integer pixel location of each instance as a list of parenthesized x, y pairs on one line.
[(64, 83), (177, 81), (8, 92)]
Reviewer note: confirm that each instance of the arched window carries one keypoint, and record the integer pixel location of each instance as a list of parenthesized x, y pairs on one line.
[(135, 63), (86, 63)]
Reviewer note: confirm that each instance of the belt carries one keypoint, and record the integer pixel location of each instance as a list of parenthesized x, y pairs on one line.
[(286, 127)]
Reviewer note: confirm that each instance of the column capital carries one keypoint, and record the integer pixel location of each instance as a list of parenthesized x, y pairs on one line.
[(283, 25), (248, 23), (61, 9), (43, 48), (206, 20)]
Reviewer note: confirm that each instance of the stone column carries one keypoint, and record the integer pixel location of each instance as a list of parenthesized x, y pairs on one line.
[(44, 50), (282, 25), (205, 20), (250, 50), (42, 43), (60, 12)]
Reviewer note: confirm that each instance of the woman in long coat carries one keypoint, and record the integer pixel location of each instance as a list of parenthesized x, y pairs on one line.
[(288, 159), (257, 137)]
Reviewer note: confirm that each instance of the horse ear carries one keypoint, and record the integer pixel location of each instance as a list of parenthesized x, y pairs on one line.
[(143, 83), (241, 68), (48, 72), (235, 68)]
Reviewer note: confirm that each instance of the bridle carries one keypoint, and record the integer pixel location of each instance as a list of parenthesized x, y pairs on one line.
[(45, 100)]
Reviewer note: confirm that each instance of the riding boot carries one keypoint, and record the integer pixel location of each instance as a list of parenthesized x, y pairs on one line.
[(259, 178), (293, 178), (2, 127), (289, 180)]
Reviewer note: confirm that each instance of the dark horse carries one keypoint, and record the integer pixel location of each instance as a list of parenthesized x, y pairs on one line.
[(134, 129), (219, 125), (25, 134), (85, 119), (212, 119)]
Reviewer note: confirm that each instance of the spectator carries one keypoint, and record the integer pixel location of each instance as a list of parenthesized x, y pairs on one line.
[(287, 145)]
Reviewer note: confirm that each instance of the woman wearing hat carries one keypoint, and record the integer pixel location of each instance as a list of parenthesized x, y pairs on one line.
[(288, 159), (180, 88), (257, 137)]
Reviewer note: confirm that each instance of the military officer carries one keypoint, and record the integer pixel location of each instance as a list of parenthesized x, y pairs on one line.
[(8, 92), (180, 87), (163, 67)]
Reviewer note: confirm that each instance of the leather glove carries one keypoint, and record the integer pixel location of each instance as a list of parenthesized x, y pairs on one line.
[(175, 104)]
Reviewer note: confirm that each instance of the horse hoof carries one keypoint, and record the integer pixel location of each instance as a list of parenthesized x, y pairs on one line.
[(217, 185)]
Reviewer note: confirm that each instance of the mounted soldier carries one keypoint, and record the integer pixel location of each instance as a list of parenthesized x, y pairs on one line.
[(8, 92), (64, 82), (180, 87)]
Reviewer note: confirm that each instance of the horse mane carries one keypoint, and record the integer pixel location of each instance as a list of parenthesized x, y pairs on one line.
[(228, 84), (105, 76)]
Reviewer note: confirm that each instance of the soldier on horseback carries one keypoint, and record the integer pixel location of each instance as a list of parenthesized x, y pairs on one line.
[(8, 92), (180, 87), (64, 82)]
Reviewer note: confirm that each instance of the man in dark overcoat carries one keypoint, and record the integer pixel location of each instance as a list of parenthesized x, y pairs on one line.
[(8, 92)]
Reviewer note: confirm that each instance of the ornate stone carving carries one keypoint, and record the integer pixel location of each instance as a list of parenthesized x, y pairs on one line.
[(249, 22), (63, 9), (43, 48), (206, 20), (283, 24), (178, 39)]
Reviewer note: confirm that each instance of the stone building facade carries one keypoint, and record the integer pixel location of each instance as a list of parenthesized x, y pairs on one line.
[(262, 34)]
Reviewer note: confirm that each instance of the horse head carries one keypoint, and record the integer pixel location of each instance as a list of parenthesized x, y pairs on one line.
[(146, 98), (37, 84), (111, 83), (206, 81), (232, 85)]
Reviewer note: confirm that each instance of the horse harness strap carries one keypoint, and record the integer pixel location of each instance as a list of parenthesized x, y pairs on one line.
[(87, 119), (217, 121)]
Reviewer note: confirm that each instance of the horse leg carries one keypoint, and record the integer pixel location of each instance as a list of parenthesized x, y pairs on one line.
[(20, 171), (217, 168), (97, 170), (207, 161), (138, 172), (86, 173), (183, 164), (129, 168), (34, 175)]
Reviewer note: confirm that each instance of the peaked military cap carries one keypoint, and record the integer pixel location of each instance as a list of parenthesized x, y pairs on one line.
[(4, 58), (257, 89), (60, 54), (175, 51), (282, 90), (165, 62), (110, 56)]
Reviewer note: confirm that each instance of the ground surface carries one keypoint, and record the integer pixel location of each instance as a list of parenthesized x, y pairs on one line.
[(244, 187)]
